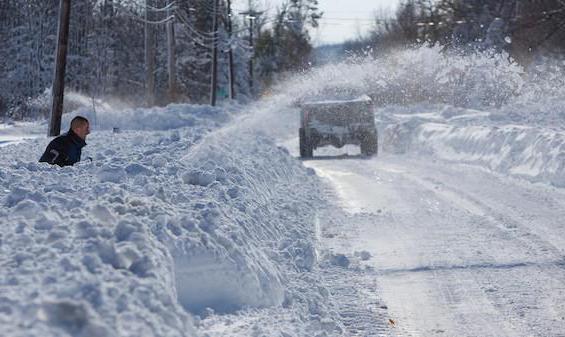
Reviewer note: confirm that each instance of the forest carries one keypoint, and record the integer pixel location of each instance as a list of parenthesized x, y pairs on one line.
[(148, 52)]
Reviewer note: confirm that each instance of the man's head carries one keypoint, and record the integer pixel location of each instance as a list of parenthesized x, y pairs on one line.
[(80, 126)]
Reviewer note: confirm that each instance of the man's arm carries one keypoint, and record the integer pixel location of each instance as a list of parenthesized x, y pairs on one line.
[(55, 153)]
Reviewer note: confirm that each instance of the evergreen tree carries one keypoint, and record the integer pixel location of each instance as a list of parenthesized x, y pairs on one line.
[(287, 46)]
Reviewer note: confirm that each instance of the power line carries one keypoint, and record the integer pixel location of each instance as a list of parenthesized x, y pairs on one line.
[(202, 34), (347, 19), (145, 7)]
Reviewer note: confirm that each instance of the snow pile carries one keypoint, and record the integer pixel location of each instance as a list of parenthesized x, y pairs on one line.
[(158, 227), (77, 258), (247, 218)]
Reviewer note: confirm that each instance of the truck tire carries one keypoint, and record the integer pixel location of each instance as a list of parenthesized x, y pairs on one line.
[(370, 144), (306, 150)]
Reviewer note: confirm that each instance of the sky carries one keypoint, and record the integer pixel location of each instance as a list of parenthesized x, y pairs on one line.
[(342, 19)]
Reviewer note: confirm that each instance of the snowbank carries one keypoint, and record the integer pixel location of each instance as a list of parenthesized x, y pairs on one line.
[(479, 138), (159, 227), (531, 153)]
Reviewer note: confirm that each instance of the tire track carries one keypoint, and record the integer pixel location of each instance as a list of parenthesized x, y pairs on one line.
[(353, 288), (355, 299), (448, 262)]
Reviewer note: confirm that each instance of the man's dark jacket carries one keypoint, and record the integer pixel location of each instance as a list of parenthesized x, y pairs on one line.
[(64, 150)]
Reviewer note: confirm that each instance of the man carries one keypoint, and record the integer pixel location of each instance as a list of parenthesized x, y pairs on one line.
[(66, 149)]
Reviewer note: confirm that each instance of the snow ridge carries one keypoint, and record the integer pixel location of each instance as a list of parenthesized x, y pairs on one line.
[(534, 153), (526, 152)]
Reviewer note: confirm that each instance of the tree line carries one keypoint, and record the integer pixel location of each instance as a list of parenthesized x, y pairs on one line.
[(148, 52), (523, 28)]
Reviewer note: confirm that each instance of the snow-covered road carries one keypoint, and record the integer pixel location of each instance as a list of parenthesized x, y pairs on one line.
[(456, 250)]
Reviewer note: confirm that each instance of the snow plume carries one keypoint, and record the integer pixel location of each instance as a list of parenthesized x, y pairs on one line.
[(39, 107), (432, 75), (421, 75), (114, 113), (542, 98), (107, 116)]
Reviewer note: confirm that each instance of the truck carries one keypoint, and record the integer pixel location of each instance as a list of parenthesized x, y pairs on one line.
[(337, 123)]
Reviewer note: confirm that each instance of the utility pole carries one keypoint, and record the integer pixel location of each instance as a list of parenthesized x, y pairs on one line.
[(149, 58), (230, 54), (58, 89), (171, 61), (214, 77), (251, 15)]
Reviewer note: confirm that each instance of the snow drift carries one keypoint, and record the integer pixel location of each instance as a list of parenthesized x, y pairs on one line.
[(158, 227)]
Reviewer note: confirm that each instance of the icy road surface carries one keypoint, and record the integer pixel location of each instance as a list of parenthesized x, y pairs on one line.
[(456, 250)]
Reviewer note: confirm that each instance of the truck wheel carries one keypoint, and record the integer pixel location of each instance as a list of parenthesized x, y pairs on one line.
[(306, 150), (370, 145)]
